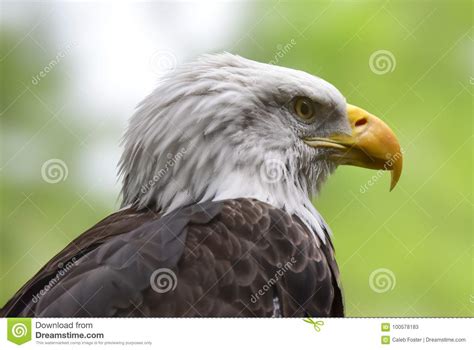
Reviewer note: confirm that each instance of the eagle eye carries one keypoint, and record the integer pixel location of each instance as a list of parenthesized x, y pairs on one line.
[(304, 108)]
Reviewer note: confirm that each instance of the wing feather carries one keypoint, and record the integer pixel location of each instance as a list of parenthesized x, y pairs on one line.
[(231, 258)]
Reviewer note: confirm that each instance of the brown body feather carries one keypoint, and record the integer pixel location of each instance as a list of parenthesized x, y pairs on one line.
[(237, 257)]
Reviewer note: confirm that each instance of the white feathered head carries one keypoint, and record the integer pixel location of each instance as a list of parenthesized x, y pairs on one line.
[(227, 127)]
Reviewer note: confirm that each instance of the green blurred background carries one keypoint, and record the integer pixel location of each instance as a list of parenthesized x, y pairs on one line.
[(102, 59)]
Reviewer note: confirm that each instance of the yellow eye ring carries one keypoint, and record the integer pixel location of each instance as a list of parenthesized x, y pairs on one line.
[(304, 108)]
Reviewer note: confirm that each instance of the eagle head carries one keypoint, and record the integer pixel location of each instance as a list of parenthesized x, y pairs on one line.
[(225, 127)]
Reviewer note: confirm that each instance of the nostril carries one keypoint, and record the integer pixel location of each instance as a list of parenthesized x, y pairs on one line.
[(361, 122)]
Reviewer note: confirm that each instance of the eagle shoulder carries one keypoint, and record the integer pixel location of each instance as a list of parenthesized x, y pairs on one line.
[(228, 258)]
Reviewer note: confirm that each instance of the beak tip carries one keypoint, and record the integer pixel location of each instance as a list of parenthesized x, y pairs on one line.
[(395, 174)]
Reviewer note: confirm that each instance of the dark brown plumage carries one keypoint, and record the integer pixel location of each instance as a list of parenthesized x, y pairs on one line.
[(222, 253)]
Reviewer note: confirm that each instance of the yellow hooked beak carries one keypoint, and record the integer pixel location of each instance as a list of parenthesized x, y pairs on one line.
[(372, 144)]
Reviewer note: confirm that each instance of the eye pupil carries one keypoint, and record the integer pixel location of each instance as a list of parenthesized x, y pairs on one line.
[(305, 108)]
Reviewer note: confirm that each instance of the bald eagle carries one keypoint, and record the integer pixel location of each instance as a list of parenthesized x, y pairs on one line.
[(219, 166)]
